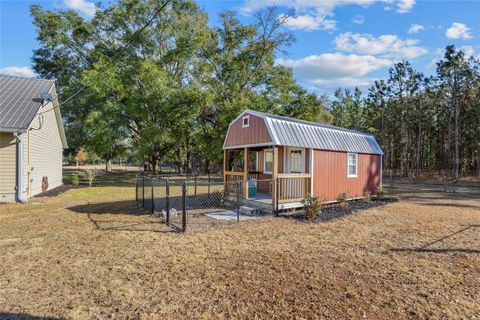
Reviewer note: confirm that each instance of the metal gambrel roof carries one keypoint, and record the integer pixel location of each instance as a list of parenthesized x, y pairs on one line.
[(292, 132), (17, 108)]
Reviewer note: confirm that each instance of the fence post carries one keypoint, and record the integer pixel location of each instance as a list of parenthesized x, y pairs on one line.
[(209, 183), (195, 181), (238, 201), (136, 190), (153, 197), (143, 192), (184, 206), (167, 199), (277, 193)]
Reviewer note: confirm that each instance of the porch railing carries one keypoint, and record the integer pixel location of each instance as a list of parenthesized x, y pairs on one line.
[(233, 176), (293, 187)]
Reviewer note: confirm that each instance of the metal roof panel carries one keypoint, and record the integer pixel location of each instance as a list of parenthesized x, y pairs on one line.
[(300, 133), (17, 108)]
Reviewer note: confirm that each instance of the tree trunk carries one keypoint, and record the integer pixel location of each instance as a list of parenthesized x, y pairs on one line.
[(402, 144), (419, 148), (207, 166), (457, 143), (108, 165)]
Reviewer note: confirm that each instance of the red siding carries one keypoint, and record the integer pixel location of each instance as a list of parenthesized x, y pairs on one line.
[(330, 175), (257, 132)]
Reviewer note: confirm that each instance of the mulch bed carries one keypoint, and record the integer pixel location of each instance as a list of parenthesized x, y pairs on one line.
[(58, 190), (332, 211)]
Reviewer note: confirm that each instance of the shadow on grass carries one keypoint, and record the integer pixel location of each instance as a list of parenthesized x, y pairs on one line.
[(121, 208), (451, 204), (426, 248), (23, 316), (128, 207)]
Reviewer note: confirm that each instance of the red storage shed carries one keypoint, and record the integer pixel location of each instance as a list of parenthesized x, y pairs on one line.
[(303, 156)]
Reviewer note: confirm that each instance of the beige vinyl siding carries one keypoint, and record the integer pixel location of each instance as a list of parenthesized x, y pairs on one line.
[(7, 167), (43, 152)]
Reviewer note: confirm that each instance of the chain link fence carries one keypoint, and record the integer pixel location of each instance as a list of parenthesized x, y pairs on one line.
[(198, 201)]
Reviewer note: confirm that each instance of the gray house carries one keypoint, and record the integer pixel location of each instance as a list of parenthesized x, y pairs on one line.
[(32, 138)]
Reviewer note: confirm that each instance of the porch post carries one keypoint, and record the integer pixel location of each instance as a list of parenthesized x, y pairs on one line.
[(245, 172), (225, 161), (274, 174)]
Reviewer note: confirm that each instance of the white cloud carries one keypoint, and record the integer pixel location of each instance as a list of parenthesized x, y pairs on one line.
[(458, 31), (415, 28), (440, 55), (329, 66), (470, 52), (18, 71), (347, 82), (309, 15), (404, 6), (386, 46), (307, 22), (333, 70), (359, 19), (82, 6)]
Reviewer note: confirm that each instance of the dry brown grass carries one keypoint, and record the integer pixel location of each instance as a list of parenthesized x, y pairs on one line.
[(91, 253)]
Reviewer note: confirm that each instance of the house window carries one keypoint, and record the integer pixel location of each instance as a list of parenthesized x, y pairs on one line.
[(245, 122), (268, 161), (352, 164)]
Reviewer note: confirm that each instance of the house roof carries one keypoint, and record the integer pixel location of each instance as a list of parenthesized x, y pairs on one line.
[(17, 108), (292, 132)]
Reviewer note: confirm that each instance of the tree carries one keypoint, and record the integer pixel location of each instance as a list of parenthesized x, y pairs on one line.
[(455, 76)]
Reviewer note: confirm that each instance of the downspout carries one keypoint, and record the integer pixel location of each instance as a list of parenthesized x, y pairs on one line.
[(19, 138)]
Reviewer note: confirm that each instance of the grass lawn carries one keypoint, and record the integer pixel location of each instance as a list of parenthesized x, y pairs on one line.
[(92, 253)]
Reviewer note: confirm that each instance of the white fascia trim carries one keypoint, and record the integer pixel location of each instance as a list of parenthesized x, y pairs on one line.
[(241, 146), (311, 171)]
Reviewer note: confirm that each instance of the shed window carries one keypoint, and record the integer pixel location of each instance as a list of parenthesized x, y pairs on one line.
[(296, 161), (246, 122), (268, 161), (352, 165)]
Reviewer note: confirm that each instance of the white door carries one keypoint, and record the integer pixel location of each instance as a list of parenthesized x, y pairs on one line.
[(295, 160)]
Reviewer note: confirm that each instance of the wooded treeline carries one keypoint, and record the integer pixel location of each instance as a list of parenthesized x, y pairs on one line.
[(423, 123), (157, 82)]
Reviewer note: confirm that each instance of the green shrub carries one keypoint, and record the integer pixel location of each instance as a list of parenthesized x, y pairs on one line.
[(311, 206), (342, 200), (380, 193), (74, 179), (367, 197)]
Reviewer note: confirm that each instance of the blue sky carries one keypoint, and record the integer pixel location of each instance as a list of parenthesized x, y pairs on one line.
[(343, 43)]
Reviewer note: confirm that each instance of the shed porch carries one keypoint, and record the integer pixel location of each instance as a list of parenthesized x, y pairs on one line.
[(272, 175)]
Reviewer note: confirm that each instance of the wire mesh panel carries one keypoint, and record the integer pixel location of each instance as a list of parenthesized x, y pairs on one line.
[(139, 190), (159, 194), (213, 196), (175, 203), (147, 193)]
